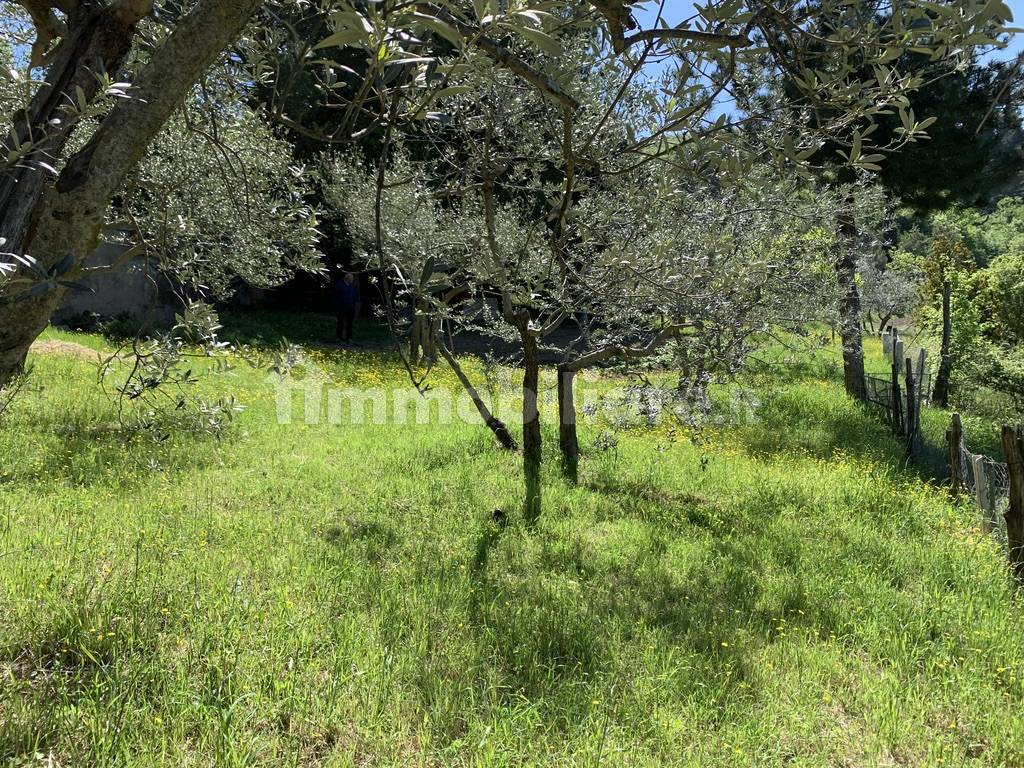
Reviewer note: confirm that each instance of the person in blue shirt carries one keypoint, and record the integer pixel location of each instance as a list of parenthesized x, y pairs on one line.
[(346, 305)]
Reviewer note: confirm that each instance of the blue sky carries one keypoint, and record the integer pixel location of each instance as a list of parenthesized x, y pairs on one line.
[(677, 10)]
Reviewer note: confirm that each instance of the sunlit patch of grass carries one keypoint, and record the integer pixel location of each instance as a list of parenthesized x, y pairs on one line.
[(777, 592)]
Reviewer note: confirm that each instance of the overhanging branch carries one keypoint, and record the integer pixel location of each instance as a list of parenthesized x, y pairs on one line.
[(678, 33), (626, 353), (503, 56)]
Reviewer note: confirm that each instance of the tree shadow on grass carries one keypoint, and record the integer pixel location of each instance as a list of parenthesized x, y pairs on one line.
[(85, 654), (372, 539), (672, 511), (710, 583), (561, 635), (84, 454), (557, 614)]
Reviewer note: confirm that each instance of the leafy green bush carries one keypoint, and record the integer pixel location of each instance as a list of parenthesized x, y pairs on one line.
[(1004, 293)]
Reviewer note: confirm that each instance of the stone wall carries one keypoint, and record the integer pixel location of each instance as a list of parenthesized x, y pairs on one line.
[(138, 292)]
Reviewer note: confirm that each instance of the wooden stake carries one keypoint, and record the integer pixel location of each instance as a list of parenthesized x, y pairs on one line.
[(1013, 447), (911, 416)]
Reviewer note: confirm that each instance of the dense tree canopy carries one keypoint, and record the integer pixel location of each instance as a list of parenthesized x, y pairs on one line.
[(973, 147), (127, 66)]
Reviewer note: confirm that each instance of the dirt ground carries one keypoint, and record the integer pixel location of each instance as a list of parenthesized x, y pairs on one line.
[(70, 348)]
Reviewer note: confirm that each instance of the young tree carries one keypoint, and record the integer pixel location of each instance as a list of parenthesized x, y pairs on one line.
[(631, 256)]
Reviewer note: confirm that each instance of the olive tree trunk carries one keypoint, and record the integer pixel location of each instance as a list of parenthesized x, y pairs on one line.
[(532, 456), (52, 220), (568, 440), (849, 310)]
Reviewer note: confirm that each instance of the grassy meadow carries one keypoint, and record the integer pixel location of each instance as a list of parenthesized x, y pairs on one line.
[(777, 592)]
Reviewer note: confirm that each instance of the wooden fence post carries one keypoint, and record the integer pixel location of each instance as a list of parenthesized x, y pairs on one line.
[(1013, 447), (897, 397), (911, 415), (954, 437)]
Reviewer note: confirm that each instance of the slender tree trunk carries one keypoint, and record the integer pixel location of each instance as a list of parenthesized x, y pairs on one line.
[(416, 340), (849, 311), (884, 323), (568, 440), (940, 392), (496, 425), (423, 338), (51, 221), (532, 456)]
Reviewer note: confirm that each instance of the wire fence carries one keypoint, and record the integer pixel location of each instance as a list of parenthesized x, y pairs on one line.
[(880, 389), (995, 487), (987, 482), (903, 391)]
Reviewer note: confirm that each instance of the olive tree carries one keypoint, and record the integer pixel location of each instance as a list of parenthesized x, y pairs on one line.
[(629, 256), (53, 200), (218, 199), (523, 160)]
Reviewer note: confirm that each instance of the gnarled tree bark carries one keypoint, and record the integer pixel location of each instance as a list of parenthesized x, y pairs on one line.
[(849, 310), (532, 456), (50, 221)]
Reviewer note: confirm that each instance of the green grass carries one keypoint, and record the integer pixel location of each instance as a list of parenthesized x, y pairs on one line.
[(776, 593)]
